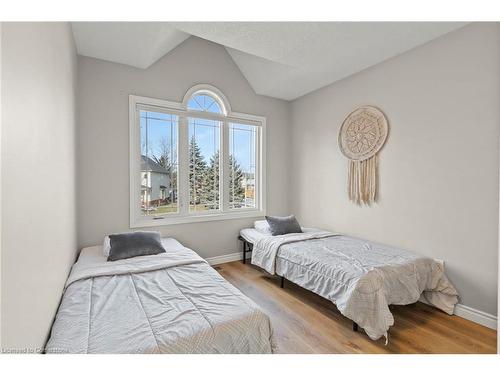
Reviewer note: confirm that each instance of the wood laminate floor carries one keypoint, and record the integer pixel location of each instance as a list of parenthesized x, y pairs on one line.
[(306, 323)]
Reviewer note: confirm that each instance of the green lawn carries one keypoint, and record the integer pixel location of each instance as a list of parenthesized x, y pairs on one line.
[(173, 208), (165, 209)]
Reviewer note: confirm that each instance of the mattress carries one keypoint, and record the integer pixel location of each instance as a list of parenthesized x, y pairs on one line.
[(172, 302), (360, 277), (252, 235)]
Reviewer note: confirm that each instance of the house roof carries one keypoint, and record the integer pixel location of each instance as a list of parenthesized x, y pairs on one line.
[(149, 165)]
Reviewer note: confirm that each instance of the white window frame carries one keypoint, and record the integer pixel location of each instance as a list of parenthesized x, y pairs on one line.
[(136, 103)]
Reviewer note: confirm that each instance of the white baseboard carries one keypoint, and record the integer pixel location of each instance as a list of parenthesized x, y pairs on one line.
[(224, 258), (476, 316)]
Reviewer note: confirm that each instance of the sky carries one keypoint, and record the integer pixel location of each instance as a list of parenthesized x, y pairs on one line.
[(162, 128)]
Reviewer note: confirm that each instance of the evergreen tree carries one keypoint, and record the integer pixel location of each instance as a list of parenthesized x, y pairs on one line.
[(197, 170), (211, 183), (236, 189), (210, 191)]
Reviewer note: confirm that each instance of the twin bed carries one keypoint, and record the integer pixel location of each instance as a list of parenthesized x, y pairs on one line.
[(360, 277), (175, 302), (172, 302)]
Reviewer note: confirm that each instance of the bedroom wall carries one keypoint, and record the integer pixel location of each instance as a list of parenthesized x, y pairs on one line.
[(0, 183), (103, 148), (38, 178), (438, 170)]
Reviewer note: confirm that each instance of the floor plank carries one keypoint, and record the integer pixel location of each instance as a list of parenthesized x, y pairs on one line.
[(307, 323)]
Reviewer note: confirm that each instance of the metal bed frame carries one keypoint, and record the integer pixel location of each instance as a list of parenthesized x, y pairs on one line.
[(248, 247)]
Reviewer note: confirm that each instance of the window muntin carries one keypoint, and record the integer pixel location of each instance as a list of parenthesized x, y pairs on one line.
[(159, 163), (219, 155), (205, 103), (242, 165)]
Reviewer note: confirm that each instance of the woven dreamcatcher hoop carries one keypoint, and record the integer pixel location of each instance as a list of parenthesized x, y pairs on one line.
[(361, 136)]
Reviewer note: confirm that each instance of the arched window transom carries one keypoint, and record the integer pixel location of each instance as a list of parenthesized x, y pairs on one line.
[(205, 102)]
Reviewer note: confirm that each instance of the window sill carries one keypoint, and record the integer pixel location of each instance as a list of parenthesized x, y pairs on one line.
[(173, 220)]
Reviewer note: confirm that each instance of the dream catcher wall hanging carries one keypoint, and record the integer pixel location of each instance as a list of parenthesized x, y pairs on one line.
[(361, 136)]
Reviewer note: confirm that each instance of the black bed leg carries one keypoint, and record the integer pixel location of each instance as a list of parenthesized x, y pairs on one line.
[(244, 251), (355, 326), (282, 282)]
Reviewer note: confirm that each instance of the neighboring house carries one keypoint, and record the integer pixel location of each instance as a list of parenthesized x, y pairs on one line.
[(248, 183), (155, 182)]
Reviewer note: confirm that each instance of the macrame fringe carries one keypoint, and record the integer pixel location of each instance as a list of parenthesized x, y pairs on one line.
[(363, 180)]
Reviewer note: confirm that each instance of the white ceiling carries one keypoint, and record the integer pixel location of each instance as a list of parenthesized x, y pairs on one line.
[(280, 59), (138, 44)]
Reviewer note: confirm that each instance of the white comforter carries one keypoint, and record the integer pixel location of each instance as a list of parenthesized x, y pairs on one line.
[(361, 277), (166, 303)]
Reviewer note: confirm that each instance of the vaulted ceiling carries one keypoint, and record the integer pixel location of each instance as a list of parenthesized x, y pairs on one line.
[(279, 59)]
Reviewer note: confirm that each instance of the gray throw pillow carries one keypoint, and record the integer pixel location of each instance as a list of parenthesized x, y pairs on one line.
[(283, 225), (128, 245)]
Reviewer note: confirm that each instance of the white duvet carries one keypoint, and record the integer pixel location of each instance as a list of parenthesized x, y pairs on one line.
[(361, 277), (167, 303)]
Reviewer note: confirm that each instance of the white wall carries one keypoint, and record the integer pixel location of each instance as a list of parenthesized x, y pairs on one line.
[(0, 183), (498, 229), (439, 168), (103, 147), (38, 177)]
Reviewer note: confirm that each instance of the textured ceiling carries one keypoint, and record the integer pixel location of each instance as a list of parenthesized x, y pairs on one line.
[(138, 44), (280, 59)]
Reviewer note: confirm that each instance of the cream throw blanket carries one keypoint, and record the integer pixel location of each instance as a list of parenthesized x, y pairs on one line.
[(265, 250)]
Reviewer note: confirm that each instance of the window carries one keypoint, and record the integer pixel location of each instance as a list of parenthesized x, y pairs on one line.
[(158, 163), (204, 164), (195, 160), (242, 162)]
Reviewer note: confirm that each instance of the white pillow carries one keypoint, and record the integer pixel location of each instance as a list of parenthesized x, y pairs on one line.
[(310, 230), (106, 245), (262, 226)]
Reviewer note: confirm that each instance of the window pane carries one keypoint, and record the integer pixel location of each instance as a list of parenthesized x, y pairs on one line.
[(203, 102), (159, 163), (204, 164), (242, 161)]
